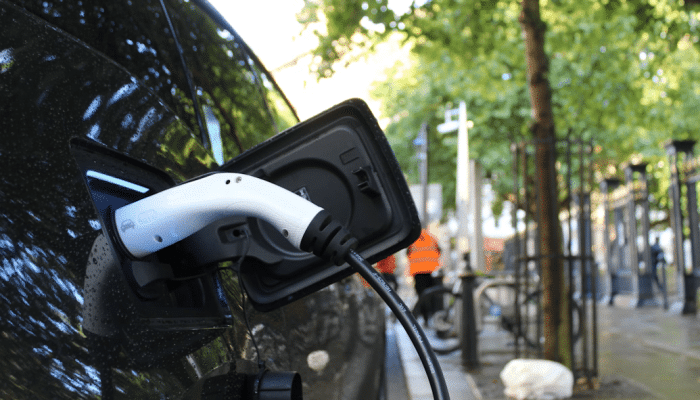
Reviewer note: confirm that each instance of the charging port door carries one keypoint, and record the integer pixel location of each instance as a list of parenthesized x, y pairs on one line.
[(341, 161)]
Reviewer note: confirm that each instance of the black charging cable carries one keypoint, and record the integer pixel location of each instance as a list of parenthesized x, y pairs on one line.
[(409, 323), (328, 239)]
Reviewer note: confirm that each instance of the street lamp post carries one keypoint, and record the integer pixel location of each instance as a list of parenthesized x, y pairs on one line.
[(461, 125)]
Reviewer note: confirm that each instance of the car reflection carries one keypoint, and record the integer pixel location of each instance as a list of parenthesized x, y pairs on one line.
[(106, 73)]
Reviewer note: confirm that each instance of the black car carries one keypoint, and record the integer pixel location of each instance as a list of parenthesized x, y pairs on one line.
[(103, 102)]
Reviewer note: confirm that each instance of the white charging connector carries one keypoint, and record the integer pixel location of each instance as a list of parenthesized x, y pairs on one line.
[(167, 217)]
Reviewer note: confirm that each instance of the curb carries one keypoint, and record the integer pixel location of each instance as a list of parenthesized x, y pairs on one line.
[(460, 384)]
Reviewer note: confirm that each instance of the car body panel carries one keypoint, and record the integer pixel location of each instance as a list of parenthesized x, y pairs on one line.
[(73, 73)]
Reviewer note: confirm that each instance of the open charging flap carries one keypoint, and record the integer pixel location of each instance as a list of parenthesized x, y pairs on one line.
[(341, 161)]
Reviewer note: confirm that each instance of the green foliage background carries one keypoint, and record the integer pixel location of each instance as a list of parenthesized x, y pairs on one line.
[(625, 74)]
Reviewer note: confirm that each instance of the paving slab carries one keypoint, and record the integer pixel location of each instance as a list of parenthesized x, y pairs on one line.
[(460, 384), (644, 353)]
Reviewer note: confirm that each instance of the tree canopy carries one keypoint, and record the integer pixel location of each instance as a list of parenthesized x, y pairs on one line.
[(624, 75)]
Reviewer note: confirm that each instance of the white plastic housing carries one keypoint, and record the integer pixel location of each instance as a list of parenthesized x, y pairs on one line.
[(164, 218)]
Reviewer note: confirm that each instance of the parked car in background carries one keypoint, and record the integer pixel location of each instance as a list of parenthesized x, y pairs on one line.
[(97, 109)]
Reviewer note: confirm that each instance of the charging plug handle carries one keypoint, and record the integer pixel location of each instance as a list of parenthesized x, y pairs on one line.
[(160, 220), (328, 239), (167, 217)]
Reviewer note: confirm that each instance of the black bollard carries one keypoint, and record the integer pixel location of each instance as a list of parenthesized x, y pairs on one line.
[(470, 356)]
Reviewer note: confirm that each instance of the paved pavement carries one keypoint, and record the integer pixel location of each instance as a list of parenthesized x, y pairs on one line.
[(460, 384), (655, 349), (413, 383)]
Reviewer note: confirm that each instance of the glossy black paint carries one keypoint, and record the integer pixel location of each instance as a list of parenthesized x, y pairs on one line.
[(106, 73)]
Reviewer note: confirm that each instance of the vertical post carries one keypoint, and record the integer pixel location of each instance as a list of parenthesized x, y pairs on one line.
[(424, 142), (586, 263), (525, 165), (621, 239), (594, 268), (586, 270), (632, 226), (607, 186), (470, 355), (687, 281), (462, 188), (676, 213), (637, 193), (570, 247), (514, 148), (693, 222), (643, 201), (477, 237), (606, 235)]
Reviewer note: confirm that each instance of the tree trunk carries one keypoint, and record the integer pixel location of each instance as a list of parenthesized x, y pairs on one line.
[(554, 288)]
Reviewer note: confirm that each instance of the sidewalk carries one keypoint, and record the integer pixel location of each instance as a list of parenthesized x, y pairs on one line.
[(460, 385), (652, 346), (645, 353)]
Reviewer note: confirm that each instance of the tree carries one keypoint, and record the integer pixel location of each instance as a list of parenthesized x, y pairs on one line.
[(554, 288), (615, 73)]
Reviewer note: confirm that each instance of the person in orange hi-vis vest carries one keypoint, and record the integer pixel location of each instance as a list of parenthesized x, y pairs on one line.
[(423, 259)]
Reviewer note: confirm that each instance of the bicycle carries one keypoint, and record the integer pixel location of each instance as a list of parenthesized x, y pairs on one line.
[(527, 325), (494, 300), (444, 319)]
